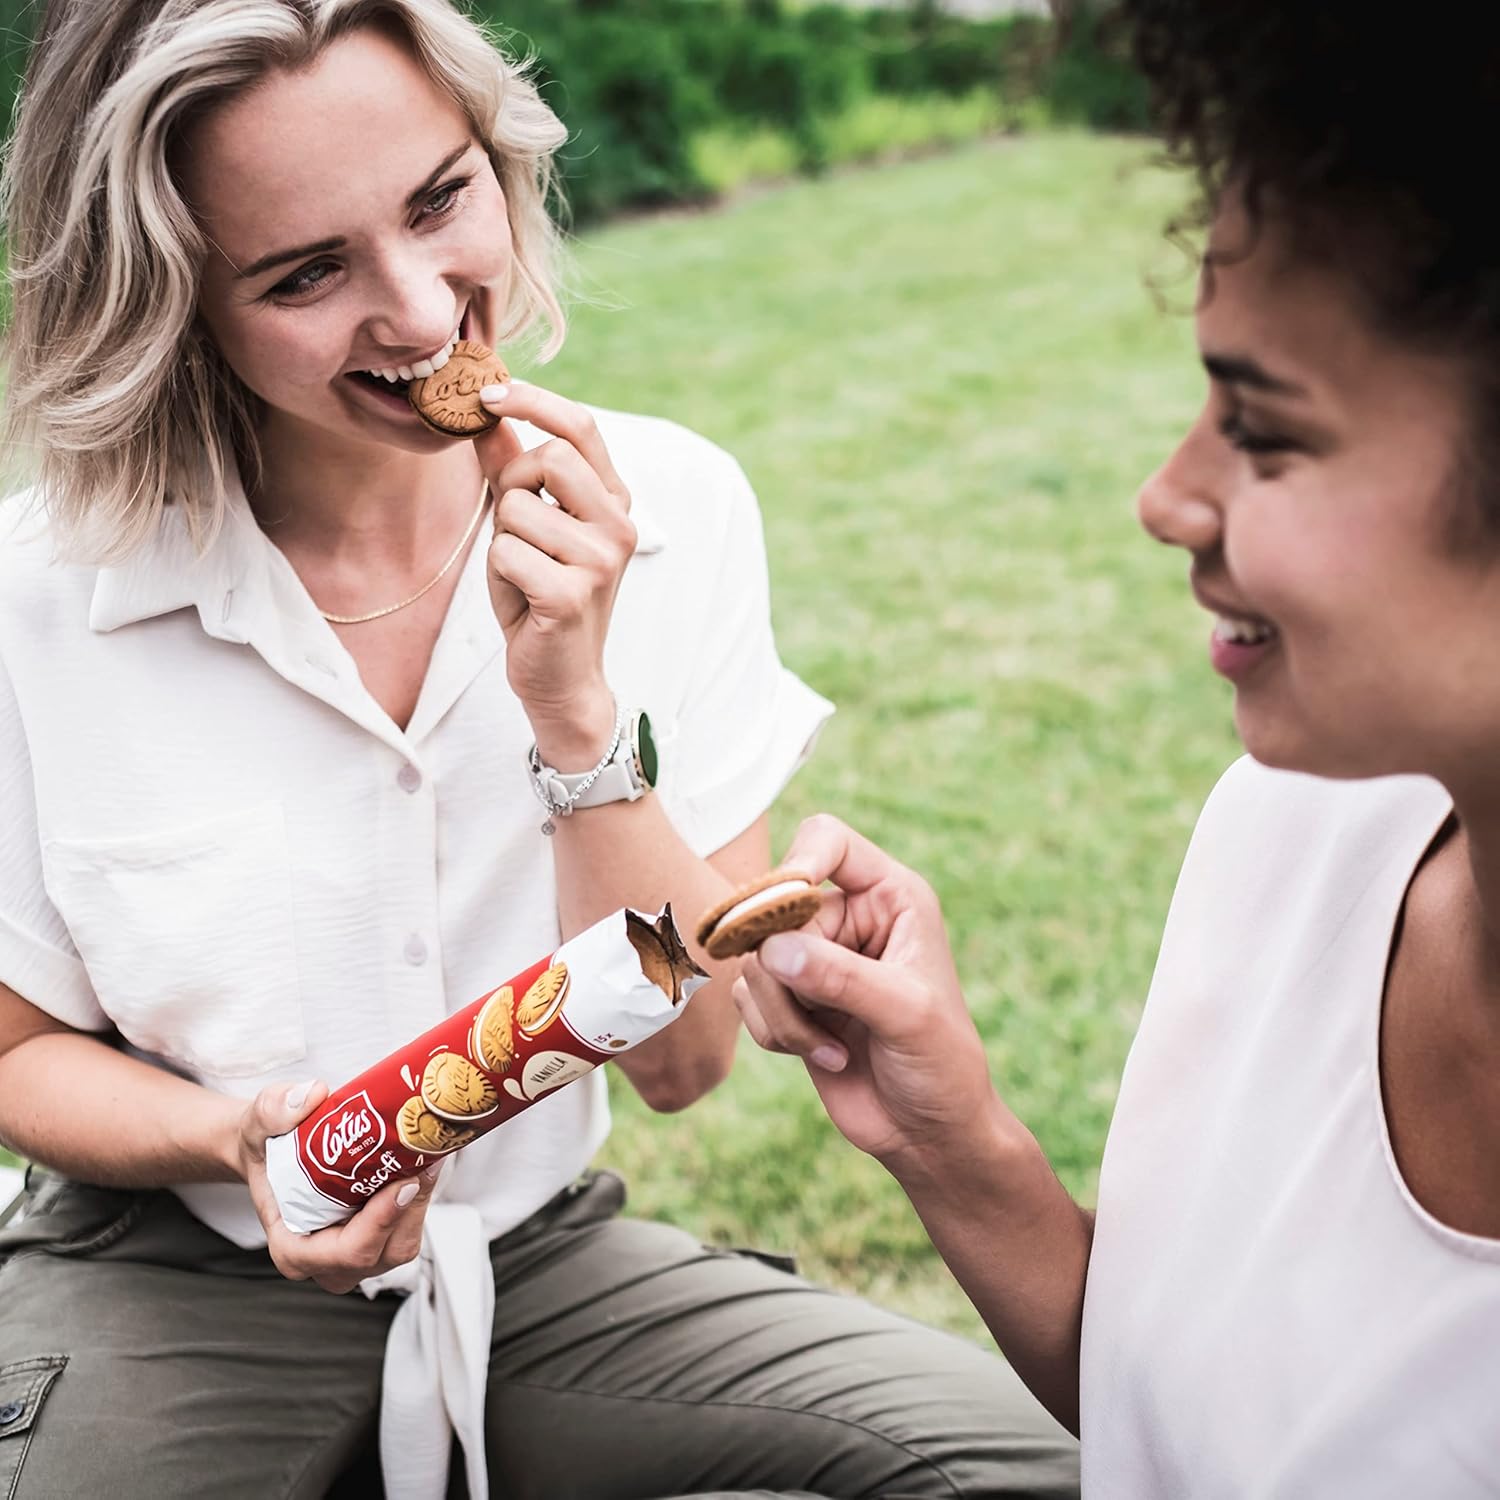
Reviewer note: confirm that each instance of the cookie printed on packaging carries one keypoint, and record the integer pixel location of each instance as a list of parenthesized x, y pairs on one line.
[(603, 992)]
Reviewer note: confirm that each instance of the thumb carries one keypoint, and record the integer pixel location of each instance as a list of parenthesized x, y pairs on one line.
[(496, 447), (277, 1110), (828, 974)]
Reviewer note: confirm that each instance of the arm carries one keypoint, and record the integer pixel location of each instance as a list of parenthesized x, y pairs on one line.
[(71, 1102), (868, 996), (139, 1127), (1016, 1243), (554, 570), (628, 854)]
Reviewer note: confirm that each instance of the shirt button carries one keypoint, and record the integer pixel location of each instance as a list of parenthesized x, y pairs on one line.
[(9, 1412), (408, 778), (415, 950)]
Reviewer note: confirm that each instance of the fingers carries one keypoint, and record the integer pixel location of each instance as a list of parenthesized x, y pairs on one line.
[(523, 576), (827, 974), (496, 448), (827, 849), (562, 418), (777, 1023), (566, 474), (385, 1233), (604, 548), (277, 1110)]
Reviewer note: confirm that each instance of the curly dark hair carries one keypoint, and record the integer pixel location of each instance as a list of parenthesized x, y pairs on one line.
[(1365, 128)]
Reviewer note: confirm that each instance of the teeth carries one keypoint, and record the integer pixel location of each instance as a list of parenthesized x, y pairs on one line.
[(422, 368), (1246, 632)]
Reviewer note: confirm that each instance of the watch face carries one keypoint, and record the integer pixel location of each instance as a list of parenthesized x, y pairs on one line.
[(645, 750)]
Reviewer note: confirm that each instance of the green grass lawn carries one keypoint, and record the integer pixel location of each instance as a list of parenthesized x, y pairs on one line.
[(946, 379)]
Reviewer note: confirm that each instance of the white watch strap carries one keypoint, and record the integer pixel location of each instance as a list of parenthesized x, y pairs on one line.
[(615, 783)]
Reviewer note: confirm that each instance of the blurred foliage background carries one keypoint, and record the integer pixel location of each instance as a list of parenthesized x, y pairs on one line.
[(680, 101)]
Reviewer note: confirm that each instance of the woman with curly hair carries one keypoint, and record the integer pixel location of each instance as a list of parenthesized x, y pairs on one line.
[(280, 671), (1292, 1284)]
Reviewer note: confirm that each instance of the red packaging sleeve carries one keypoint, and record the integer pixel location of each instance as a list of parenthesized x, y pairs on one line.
[(539, 1031)]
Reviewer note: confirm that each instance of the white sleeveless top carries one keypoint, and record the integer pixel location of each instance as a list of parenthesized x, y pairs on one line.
[(1270, 1313)]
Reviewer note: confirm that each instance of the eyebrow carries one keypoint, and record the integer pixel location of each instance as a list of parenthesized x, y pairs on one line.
[(322, 247), (1239, 369)]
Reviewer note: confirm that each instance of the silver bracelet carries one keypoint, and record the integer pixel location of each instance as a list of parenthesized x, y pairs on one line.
[(564, 809)]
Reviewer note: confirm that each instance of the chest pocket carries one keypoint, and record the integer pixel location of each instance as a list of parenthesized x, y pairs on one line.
[(188, 939)]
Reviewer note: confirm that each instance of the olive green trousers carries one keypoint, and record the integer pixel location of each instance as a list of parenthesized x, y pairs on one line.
[(144, 1357)]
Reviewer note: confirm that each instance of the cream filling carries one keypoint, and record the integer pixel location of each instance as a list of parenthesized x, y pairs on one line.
[(762, 898)]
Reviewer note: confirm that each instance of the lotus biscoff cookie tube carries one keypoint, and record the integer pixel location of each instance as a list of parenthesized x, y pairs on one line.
[(603, 992)]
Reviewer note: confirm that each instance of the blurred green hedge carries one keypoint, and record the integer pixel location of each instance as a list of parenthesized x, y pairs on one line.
[(638, 81)]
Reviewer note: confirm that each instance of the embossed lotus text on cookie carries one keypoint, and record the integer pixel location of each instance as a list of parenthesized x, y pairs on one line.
[(493, 1040), (448, 399), (421, 1130), (538, 1007), (779, 901), (455, 1089)]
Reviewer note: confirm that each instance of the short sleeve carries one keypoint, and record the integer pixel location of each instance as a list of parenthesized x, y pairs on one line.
[(37, 957), (747, 723)]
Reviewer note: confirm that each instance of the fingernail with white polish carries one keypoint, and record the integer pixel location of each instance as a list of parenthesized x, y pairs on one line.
[(493, 395), (296, 1096), (430, 1173), (405, 1193), (830, 1059), (783, 954)]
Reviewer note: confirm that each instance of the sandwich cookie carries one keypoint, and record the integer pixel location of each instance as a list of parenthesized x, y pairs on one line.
[(421, 1130), (448, 399), (538, 1007), (493, 1038), (779, 901), (455, 1089)]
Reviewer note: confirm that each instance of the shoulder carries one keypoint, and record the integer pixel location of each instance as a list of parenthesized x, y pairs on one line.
[(690, 486), (1287, 817), (1279, 850), (39, 590), (658, 447)]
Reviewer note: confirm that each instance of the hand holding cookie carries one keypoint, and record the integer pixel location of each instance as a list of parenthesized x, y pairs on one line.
[(563, 537), (868, 996), (385, 1233)]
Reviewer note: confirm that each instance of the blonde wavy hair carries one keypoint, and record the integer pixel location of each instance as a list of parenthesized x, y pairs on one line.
[(117, 399)]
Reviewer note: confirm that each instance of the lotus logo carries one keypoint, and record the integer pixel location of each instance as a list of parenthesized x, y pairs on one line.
[(345, 1136)]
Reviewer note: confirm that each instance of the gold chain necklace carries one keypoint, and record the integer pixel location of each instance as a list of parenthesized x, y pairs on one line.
[(442, 572)]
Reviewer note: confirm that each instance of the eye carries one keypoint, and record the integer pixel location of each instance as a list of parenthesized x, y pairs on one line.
[(444, 201), (1239, 436), (306, 279)]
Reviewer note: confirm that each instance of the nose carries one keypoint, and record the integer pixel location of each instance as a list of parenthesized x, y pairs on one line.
[(415, 307), (1181, 503)]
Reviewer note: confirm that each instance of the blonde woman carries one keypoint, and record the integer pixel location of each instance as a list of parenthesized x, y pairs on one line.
[(273, 662)]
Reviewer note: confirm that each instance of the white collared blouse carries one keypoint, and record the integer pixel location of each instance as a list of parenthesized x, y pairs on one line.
[(217, 842)]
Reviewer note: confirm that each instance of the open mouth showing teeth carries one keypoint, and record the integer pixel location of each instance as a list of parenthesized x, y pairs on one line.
[(394, 380), (1242, 632)]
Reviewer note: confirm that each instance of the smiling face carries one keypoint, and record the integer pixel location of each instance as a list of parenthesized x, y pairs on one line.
[(358, 226), (1321, 493)]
